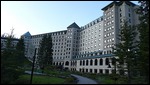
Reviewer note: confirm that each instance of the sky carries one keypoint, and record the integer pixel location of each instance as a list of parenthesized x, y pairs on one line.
[(39, 17)]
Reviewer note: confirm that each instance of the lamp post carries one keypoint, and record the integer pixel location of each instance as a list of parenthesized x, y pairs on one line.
[(32, 67), (109, 64)]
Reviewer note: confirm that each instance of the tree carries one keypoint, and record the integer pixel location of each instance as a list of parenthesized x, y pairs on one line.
[(126, 49), (20, 53), (44, 57), (9, 66), (114, 63), (143, 28)]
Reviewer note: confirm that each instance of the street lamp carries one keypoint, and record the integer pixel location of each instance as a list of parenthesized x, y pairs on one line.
[(109, 65), (32, 67)]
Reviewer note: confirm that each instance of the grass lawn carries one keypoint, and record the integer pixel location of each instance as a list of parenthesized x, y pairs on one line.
[(38, 79)]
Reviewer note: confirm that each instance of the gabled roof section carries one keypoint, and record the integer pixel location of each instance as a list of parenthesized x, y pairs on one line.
[(73, 25), (109, 5), (127, 2), (118, 4), (27, 34)]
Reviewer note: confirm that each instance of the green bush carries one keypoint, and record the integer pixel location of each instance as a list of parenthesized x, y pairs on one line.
[(69, 80), (23, 79), (39, 79), (105, 80), (138, 80), (9, 75)]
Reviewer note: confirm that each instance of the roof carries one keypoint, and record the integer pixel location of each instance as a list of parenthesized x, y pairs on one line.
[(127, 2), (27, 34), (109, 5), (73, 25), (51, 32), (118, 4)]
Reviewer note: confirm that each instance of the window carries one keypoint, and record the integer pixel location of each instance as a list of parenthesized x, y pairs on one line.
[(91, 62), (90, 70), (110, 45), (120, 20), (107, 61), (67, 63), (112, 21), (86, 62), (80, 69), (80, 62), (83, 62), (120, 15), (101, 62), (129, 20), (95, 61), (107, 71), (120, 9), (108, 34), (100, 70), (108, 28), (86, 70), (95, 70), (112, 27), (112, 16), (112, 32), (112, 39), (129, 14), (105, 41)]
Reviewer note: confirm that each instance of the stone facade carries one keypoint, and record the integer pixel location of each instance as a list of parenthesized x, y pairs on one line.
[(88, 48)]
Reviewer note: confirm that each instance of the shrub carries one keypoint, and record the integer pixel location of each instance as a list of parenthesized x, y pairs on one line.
[(23, 79), (69, 79), (9, 75)]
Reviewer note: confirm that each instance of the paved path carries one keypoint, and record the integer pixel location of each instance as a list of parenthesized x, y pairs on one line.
[(84, 80), (29, 72)]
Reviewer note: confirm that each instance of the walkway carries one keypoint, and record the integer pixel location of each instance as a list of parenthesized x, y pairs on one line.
[(29, 72), (84, 80)]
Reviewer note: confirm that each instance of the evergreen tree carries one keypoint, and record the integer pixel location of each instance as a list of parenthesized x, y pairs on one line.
[(44, 57), (20, 53), (126, 49), (10, 69), (143, 27), (114, 63)]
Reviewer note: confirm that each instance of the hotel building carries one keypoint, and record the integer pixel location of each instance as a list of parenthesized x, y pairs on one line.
[(87, 48)]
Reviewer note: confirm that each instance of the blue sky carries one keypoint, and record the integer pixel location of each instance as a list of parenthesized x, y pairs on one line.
[(39, 17)]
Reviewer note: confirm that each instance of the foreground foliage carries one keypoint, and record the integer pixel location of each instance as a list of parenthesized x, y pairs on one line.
[(12, 60), (143, 28)]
